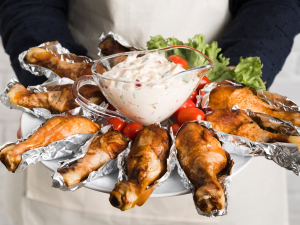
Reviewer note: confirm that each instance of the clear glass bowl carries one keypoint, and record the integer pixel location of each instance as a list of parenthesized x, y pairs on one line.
[(144, 102)]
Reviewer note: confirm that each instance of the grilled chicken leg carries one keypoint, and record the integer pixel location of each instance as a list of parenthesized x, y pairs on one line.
[(54, 129), (41, 57), (226, 96), (57, 100), (147, 162), (202, 158), (237, 122), (102, 149)]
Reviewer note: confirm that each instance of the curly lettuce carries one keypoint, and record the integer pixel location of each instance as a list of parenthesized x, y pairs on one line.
[(248, 71)]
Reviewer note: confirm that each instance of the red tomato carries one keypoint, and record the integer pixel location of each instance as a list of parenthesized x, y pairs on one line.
[(118, 124), (131, 130), (202, 93), (203, 82), (187, 104), (191, 114), (175, 127), (193, 96), (178, 60)]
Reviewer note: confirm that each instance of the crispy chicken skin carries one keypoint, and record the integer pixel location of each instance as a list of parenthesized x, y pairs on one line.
[(147, 162), (102, 149), (226, 96), (202, 158), (41, 57), (237, 122), (57, 100), (54, 129)]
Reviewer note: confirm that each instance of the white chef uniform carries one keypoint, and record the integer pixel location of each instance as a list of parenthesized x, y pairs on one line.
[(257, 194)]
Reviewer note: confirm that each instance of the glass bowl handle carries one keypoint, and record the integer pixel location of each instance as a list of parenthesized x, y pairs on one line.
[(99, 110)]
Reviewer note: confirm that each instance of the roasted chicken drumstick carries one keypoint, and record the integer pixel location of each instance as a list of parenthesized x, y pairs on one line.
[(102, 149), (202, 158), (54, 129), (226, 96), (41, 57), (56, 100), (237, 122), (147, 162)]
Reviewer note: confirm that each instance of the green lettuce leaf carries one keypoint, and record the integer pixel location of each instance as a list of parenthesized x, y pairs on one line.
[(156, 42), (174, 41), (197, 42), (248, 72)]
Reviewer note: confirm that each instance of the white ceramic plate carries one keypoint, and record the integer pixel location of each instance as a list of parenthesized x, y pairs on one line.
[(171, 187)]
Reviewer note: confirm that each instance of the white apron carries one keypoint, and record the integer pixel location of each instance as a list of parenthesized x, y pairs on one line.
[(257, 194)]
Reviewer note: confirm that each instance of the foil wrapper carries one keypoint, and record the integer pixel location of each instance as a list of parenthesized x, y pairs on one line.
[(57, 50), (272, 124), (38, 112), (171, 162), (58, 149), (112, 43), (223, 178), (285, 155), (273, 99), (107, 168)]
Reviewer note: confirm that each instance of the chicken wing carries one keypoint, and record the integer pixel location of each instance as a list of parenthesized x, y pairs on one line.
[(147, 162), (225, 96), (102, 149), (54, 129), (203, 159), (56, 100), (237, 122), (41, 57)]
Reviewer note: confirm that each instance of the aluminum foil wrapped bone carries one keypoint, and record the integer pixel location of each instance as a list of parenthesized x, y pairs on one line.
[(55, 150), (285, 155), (273, 99), (38, 112), (224, 178), (115, 42), (109, 167), (171, 162), (56, 49)]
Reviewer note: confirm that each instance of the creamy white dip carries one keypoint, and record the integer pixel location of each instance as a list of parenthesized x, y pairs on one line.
[(155, 100)]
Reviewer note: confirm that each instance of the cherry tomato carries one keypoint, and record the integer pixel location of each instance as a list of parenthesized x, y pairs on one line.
[(202, 93), (193, 96), (175, 127), (203, 82), (131, 130), (178, 60), (187, 104), (118, 124), (190, 114)]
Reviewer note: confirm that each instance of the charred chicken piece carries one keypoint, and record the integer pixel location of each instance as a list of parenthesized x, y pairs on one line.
[(54, 129), (102, 149), (110, 46), (246, 98), (41, 57), (56, 100), (147, 162), (237, 122), (203, 160)]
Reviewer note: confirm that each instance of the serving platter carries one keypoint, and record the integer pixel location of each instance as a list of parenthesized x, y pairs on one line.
[(172, 187)]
